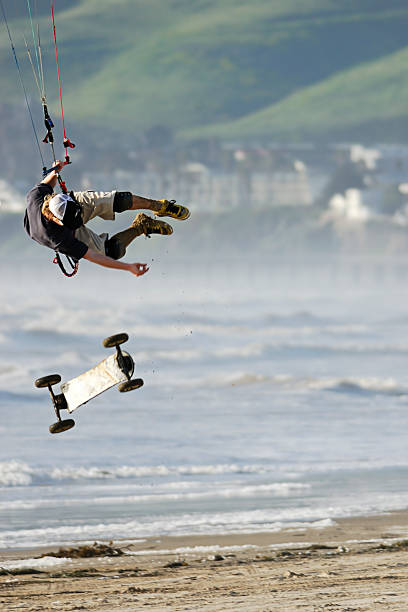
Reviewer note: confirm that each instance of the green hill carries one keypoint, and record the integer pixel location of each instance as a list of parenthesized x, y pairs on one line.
[(236, 69), (365, 102)]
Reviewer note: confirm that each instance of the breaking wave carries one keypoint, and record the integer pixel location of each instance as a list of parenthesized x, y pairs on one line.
[(19, 474), (356, 386), (239, 491), (16, 473)]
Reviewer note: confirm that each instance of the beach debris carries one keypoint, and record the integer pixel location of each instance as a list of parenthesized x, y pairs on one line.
[(285, 553), (313, 547), (399, 545), (173, 564), (216, 558), (135, 571), (266, 558), (290, 574), (20, 571), (94, 550), (90, 572), (326, 574)]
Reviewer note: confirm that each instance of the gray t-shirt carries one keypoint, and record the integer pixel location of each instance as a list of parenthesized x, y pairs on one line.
[(48, 233)]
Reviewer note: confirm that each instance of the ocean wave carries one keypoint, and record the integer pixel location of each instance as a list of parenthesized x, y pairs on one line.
[(265, 350), (361, 386), (84, 331), (204, 523), (87, 325), (16, 473), (233, 379), (277, 489), (126, 471), (19, 474), (251, 521), (338, 348), (43, 562), (292, 518)]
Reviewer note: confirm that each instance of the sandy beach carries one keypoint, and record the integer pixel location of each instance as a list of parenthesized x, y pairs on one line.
[(354, 564)]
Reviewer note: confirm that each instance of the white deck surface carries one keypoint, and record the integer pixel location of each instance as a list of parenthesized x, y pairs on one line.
[(88, 385)]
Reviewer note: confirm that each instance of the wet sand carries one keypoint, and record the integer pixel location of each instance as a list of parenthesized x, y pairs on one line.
[(355, 564)]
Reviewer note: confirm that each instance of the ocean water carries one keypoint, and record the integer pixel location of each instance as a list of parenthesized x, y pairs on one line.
[(271, 400)]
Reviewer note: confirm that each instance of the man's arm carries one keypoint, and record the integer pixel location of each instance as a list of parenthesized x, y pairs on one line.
[(137, 269), (51, 178)]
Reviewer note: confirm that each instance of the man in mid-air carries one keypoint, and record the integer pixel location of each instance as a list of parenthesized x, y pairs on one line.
[(58, 222)]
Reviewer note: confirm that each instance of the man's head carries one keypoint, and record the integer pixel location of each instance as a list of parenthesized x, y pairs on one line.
[(64, 208)]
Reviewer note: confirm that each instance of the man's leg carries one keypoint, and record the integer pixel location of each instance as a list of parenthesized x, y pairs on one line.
[(96, 204), (116, 246), (141, 203), (95, 241), (106, 203), (161, 208)]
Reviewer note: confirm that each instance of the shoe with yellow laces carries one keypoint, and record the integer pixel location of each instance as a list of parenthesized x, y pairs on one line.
[(147, 225), (171, 209)]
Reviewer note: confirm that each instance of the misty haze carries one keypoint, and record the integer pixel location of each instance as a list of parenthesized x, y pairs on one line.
[(268, 442)]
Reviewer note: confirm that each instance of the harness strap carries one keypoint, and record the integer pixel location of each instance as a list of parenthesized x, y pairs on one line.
[(72, 262), (62, 185), (66, 140)]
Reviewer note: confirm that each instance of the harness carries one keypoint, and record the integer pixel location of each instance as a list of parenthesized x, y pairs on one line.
[(38, 73), (72, 262)]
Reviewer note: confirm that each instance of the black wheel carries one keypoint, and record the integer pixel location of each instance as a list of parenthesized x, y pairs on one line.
[(130, 385), (61, 426), (115, 340), (44, 381)]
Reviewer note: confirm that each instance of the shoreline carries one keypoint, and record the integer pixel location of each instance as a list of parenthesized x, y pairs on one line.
[(359, 563), (385, 526)]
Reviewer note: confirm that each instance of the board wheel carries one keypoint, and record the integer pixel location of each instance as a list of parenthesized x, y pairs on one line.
[(44, 381), (130, 385), (111, 341), (61, 426)]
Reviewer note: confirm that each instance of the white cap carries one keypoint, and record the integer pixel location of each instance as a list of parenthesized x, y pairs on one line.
[(58, 204)]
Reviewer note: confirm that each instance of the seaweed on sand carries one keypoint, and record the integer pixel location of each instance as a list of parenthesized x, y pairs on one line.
[(93, 550)]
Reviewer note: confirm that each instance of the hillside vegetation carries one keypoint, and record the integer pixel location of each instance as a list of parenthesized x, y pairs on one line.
[(267, 68)]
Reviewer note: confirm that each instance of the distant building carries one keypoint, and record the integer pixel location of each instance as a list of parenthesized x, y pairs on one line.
[(384, 169), (280, 189), (214, 190)]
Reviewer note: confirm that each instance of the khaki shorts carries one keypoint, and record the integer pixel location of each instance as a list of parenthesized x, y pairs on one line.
[(94, 204)]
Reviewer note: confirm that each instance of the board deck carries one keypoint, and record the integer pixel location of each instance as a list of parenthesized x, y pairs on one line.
[(95, 381)]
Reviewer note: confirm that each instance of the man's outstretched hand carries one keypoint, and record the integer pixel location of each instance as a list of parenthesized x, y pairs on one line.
[(138, 269), (58, 165)]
